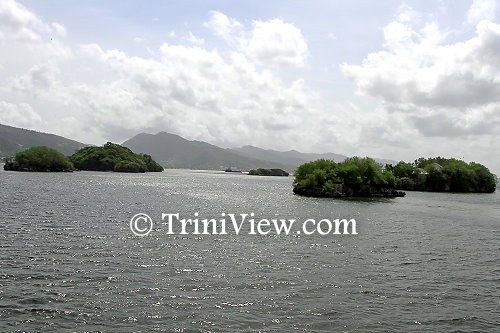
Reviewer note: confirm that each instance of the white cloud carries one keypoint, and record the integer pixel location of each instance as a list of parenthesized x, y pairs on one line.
[(223, 26), (19, 115), (406, 14), (397, 34), (96, 94), (270, 43), (481, 10), (432, 90), (17, 22), (277, 43), (199, 94), (59, 29), (25, 40), (194, 40), (419, 70)]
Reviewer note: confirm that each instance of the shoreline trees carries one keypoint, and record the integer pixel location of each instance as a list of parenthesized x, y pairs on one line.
[(113, 157), (443, 175), (39, 159), (109, 157)]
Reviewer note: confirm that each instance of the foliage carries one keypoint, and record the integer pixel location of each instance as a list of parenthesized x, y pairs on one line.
[(443, 174), (323, 174), (39, 158), (268, 172), (432, 174), (151, 165), (113, 157)]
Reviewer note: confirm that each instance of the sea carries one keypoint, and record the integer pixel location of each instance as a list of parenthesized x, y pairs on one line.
[(70, 261)]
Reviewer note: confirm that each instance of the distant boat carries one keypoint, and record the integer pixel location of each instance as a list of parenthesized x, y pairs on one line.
[(233, 169)]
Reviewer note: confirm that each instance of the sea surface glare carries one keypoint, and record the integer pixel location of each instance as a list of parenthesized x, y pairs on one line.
[(428, 262)]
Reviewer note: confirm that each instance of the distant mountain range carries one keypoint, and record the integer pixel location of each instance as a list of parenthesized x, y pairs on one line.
[(172, 151), (14, 140), (291, 157)]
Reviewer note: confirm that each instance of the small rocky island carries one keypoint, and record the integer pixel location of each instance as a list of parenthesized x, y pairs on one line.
[(268, 172), (113, 157), (39, 159), (354, 177)]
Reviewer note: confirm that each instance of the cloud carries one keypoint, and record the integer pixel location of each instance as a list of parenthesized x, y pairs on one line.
[(481, 10), (199, 94), (19, 115), (442, 125), (419, 73), (26, 40), (407, 14), (59, 29), (194, 40), (277, 43), (95, 94), (435, 95), (272, 43), (223, 26), (17, 22)]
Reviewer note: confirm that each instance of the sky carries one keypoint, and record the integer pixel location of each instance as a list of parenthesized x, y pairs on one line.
[(389, 79)]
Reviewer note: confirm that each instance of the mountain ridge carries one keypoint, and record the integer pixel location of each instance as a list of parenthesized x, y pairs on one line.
[(14, 140), (172, 151)]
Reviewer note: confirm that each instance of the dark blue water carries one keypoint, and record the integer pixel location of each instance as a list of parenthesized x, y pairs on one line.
[(428, 262)]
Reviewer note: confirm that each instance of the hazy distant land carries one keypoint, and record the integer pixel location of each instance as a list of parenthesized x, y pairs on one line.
[(172, 151)]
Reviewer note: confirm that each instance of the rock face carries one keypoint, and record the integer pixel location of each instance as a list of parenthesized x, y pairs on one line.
[(268, 172), (343, 191)]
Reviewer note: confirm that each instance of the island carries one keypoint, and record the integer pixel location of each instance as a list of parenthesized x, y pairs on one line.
[(39, 159), (443, 175), (113, 157), (233, 169), (354, 177), (268, 172)]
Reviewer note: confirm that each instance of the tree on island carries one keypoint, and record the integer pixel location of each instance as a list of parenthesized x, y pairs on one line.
[(41, 159), (353, 177), (268, 172), (113, 157), (443, 175)]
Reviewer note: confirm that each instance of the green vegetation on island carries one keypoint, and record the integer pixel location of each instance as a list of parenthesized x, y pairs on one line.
[(113, 157), (268, 172), (364, 177), (39, 158), (354, 177), (443, 175)]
